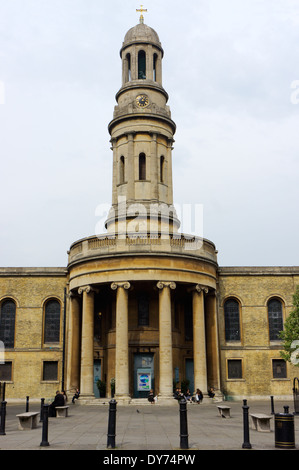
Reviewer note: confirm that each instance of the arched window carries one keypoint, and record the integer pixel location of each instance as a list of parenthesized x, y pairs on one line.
[(275, 318), (128, 67), (155, 58), (141, 65), (232, 320), (122, 170), (162, 164), (142, 167), (52, 322), (7, 323)]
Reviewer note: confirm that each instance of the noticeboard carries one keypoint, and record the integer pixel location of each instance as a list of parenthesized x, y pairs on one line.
[(144, 380)]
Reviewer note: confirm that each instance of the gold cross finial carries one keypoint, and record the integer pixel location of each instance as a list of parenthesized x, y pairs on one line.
[(141, 10)]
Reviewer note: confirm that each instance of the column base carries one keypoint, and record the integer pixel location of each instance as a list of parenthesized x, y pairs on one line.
[(85, 399), (167, 400), (122, 399)]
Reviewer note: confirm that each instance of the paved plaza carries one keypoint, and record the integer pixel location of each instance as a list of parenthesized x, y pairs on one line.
[(144, 428)]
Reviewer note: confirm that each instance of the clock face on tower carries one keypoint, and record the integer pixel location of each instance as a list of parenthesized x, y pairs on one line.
[(142, 101)]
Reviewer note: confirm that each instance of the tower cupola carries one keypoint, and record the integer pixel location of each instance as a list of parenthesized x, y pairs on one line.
[(142, 138), (141, 55)]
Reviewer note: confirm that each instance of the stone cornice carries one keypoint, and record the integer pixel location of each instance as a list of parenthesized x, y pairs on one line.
[(258, 271), (33, 272)]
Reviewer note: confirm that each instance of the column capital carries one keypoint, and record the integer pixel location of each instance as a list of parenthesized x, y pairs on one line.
[(162, 284), (125, 285), (199, 288), (87, 289)]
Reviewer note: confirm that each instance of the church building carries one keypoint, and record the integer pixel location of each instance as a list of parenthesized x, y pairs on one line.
[(144, 306)]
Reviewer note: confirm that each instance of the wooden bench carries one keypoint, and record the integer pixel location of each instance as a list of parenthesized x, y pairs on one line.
[(260, 422), (27, 420), (61, 411), (224, 411)]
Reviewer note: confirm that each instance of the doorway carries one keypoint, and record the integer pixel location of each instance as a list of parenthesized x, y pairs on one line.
[(190, 374), (96, 376)]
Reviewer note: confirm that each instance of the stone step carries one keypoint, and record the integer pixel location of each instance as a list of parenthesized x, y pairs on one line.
[(138, 401)]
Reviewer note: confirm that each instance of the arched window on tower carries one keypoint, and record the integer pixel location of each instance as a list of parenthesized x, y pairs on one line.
[(7, 323), (128, 68), (141, 65), (52, 322), (142, 167), (232, 320), (155, 58), (162, 165), (275, 318), (122, 170)]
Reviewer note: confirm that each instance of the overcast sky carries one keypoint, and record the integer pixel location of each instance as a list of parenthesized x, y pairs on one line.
[(229, 68)]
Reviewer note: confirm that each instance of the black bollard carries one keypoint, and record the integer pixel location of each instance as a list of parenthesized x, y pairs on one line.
[(272, 405), (27, 404), (111, 424), (41, 415), (3, 417), (183, 425), (45, 442), (246, 444)]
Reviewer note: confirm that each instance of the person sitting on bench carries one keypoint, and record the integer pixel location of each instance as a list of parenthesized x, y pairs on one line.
[(76, 396), (58, 401)]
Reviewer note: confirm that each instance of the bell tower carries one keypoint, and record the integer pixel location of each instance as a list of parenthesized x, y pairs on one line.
[(145, 278), (142, 134)]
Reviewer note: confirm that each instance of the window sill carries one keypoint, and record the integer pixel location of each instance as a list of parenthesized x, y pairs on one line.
[(284, 379), (54, 381), (235, 380)]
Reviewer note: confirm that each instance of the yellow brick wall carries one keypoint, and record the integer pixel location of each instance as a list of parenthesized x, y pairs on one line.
[(253, 287), (30, 288)]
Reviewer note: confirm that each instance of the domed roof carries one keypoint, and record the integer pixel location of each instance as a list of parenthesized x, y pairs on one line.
[(141, 33)]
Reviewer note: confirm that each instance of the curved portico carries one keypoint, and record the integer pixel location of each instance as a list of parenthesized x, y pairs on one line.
[(102, 271)]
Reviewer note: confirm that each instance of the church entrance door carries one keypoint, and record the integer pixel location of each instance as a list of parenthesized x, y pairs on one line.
[(96, 376), (190, 374)]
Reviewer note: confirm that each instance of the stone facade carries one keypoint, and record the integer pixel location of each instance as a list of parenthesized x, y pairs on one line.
[(30, 289), (144, 304), (253, 287)]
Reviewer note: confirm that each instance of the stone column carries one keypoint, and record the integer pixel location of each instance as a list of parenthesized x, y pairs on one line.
[(165, 341), (73, 355), (154, 165), (86, 383), (121, 341), (130, 161), (168, 171), (115, 172), (199, 339)]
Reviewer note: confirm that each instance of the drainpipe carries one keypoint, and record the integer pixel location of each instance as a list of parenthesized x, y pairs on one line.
[(63, 344)]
